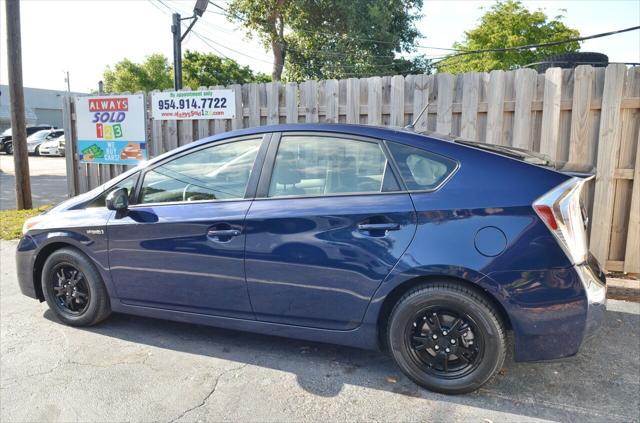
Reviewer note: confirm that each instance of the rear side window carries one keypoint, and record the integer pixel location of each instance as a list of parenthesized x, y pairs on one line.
[(420, 169), (323, 165)]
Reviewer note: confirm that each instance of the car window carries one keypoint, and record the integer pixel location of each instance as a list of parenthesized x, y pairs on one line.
[(219, 172), (54, 134), (129, 183), (323, 165), (420, 169)]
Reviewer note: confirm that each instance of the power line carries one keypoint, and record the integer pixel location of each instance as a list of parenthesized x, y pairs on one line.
[(531, 46)]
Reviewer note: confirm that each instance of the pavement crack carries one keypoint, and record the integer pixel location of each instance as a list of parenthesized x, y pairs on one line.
[(210, 393)]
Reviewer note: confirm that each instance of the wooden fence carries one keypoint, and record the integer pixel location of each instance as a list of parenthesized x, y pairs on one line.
[(587, 116)]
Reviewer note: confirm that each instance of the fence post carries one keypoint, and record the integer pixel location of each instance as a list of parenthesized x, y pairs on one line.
[(445, 103), (374, 101), (581, 147), (608, 146), (397, 101), (525, 87), (470, 97), (632, 254), (551, 112), (70, 146)]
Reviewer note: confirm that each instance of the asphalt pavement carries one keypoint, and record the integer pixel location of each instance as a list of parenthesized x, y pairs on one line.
[(48, 180), (138, 369)]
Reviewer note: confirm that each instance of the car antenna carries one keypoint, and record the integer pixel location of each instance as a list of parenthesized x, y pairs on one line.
[(413, 124)]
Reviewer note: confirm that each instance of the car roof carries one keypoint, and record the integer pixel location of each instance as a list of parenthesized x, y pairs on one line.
[(389, 133), (345, 128)]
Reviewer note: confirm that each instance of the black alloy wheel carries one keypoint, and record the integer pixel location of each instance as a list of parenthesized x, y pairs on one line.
[(445, 342), (73, 288), (70, 289), (447, 336)]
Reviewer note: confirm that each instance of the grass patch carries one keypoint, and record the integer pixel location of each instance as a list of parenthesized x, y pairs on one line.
[(11, 221)]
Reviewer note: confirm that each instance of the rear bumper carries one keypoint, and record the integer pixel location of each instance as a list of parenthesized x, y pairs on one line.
[(595, 285), (553, 311)]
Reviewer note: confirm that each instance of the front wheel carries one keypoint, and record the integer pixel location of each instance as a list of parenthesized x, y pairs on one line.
[(9, 148), (446, 337), (74, 289)]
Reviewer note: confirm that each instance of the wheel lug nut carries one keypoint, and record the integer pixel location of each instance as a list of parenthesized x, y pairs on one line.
[(444, 332), (436, 347), (453, 341), (447, 350), (434, 336)]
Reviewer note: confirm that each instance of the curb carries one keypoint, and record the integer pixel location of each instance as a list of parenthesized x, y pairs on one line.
[(623, 289)]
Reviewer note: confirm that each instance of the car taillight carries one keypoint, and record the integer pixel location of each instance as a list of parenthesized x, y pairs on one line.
[(561, 211)]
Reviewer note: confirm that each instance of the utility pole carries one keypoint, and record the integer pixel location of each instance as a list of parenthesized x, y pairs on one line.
[(18, 125), (177, 52), (100, 87), (176, 30)]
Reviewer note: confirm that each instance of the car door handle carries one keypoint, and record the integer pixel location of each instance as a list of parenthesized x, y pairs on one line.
[(223, 233), (378, 226)]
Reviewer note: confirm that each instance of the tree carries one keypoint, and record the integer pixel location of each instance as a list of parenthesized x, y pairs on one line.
[(153, 74), (206, 69), (509, 24), (334, 38), (198, 69)]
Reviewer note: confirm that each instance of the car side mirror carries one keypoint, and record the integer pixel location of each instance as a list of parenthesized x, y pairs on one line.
[(118, 200)]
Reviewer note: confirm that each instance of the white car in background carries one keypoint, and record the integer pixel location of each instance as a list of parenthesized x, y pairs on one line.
[(54, 147), (36, 140)]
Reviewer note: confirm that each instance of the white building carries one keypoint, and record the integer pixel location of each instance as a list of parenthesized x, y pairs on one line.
[(41, 106)]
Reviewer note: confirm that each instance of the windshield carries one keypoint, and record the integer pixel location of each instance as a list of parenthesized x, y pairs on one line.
[(39, 135), (6, 132)]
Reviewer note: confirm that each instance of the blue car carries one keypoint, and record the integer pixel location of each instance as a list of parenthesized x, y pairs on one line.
[(428, 247)]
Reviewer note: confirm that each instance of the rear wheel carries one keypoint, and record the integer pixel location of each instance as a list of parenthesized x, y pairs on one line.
[(446, 337), (74, 289), (9, 148)]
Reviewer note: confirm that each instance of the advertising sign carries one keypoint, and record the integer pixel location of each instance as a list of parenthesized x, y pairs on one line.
[(111, 129), (180, 105)]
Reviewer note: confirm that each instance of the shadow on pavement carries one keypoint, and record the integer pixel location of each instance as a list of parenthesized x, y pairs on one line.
[(45, 189), (600, 384)]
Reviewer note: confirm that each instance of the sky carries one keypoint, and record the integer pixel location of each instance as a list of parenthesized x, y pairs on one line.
[(83, 37)]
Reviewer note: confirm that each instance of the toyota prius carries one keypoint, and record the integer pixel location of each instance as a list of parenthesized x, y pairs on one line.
[(425, 246)]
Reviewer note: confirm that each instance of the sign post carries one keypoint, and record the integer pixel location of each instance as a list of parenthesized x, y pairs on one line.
[(111, 129)]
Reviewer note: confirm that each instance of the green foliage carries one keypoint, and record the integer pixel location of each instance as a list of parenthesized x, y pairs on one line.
[(335, 38), (206, 69), (153, 74), (198, 69), (11, 221), (509, 24)]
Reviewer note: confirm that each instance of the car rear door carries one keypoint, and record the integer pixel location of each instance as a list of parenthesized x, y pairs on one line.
[(181, 247), (329, 222)]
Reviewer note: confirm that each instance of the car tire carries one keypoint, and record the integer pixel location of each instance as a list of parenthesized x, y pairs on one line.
[(9, 148), (36, 152), (462, 322), (79, 299)]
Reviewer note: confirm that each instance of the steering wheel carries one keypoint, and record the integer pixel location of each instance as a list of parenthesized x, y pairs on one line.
[(194, 198)]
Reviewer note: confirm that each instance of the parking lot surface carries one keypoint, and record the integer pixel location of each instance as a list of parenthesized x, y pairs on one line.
[(48, 181), (137, 369)]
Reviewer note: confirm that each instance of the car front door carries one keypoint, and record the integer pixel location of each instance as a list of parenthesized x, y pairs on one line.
[(329, 222), (181, 247)]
